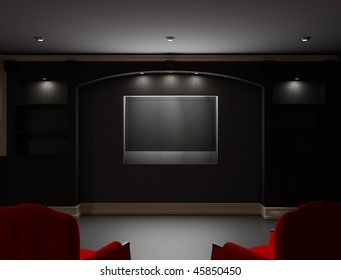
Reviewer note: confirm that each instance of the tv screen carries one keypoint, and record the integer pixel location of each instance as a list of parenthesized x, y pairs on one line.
[(170, 130)]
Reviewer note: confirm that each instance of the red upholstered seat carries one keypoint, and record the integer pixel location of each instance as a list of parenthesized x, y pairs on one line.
[(36, 232), (113, 251), (312, 231)]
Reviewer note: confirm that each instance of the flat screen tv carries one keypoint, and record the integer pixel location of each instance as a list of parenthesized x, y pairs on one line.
[(170, 129)]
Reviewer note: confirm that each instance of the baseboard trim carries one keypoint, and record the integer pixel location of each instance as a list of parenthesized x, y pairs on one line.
[(274, 212), (174, 209), (71, 210), (170, 208)]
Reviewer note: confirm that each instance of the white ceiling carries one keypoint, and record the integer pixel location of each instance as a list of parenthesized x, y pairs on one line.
[(140, 26)]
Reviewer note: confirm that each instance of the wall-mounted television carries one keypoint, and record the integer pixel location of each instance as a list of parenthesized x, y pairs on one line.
[(175, 129)]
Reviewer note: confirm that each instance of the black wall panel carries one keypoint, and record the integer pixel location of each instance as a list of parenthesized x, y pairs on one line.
[(301, 151), (104, 178)]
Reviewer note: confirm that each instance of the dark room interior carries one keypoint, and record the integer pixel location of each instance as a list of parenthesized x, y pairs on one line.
[(188, 132)]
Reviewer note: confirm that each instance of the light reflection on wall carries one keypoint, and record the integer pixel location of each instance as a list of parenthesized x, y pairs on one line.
[(295, 91), (47, 89), (44, 92), (143, 80), (195, 80), (168, 81), (299, 92)]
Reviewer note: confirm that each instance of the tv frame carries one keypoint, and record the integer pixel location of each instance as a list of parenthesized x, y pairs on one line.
[(170, 157)]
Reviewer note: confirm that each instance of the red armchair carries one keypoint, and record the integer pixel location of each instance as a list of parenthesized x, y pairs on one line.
[(36, 232), (310, 232)]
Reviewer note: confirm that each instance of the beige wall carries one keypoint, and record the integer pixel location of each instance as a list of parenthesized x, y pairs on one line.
[(3, 111)]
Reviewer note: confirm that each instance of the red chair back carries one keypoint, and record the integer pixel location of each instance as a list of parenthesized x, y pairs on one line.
[(36, 232), (312, 231)]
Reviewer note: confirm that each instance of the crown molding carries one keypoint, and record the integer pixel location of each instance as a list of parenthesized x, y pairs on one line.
[(166, 57)]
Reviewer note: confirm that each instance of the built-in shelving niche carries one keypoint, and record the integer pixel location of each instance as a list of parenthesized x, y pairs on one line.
[(299, 146), (298, 119), (41, 118)]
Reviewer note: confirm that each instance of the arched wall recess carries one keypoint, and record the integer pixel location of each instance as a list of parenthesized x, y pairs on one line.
[(237, 176)]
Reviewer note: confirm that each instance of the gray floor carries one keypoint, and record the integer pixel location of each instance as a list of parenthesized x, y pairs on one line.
[(173, 237)]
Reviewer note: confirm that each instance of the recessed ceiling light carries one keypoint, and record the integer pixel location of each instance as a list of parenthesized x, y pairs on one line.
[(170, 38), (305, 39), (39, 38)]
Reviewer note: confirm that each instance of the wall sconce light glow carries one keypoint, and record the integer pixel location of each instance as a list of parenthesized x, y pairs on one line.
[(170, 38), (44, 79), (196, 73), (305, 39), (39, 38), (294, 88), (297, 79)]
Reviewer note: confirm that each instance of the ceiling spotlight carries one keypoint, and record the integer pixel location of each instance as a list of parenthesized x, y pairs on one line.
[(170, 38), (39, 38), (305, 39)]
